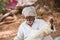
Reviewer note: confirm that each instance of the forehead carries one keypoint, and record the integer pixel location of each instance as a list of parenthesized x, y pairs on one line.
[(30, 16)]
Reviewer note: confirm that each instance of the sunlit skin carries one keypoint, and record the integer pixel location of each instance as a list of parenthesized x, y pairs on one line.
[(30, 19)]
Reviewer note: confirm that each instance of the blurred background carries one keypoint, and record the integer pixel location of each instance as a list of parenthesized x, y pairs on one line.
[(10, 22)]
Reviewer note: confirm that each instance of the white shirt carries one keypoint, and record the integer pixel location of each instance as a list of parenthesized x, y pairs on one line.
[(25, 30), (57, 38), (25, 2)]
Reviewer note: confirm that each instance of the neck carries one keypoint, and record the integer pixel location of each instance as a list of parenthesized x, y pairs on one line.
[(30, 25)]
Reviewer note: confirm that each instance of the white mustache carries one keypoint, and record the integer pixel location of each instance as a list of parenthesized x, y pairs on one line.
[(29, 22)]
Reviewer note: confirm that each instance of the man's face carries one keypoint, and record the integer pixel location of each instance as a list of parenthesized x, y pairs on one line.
[(30, 19)]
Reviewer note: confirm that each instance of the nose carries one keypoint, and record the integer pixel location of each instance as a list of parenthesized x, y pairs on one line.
[(29, 19)]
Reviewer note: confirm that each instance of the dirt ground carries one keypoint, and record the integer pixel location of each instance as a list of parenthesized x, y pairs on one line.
[(9, 30)]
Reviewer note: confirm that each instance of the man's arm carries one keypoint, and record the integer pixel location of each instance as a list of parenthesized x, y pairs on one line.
[(20, 35)]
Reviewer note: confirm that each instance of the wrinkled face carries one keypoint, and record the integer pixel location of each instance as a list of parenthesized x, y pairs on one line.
[(30, 19)]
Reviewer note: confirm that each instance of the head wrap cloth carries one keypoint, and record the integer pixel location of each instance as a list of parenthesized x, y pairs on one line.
[(29, 11)]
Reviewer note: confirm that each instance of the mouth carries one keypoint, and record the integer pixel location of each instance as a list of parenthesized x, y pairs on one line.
[(29, 22)]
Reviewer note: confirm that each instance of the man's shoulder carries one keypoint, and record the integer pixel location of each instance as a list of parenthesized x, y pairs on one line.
[(23, 23), (39, 20)]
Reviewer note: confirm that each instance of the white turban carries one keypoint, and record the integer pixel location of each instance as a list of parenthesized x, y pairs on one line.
[(29, 11)]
